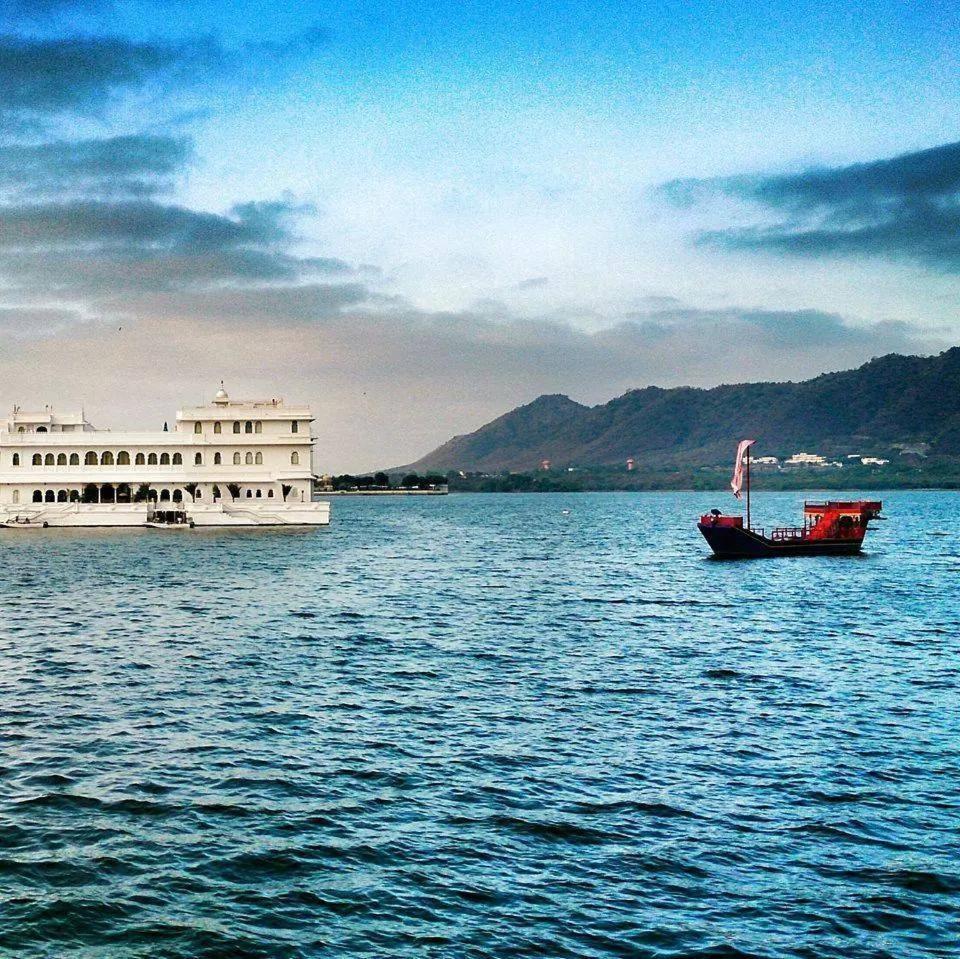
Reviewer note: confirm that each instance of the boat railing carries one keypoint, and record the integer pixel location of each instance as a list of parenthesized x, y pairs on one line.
[(781, 533)]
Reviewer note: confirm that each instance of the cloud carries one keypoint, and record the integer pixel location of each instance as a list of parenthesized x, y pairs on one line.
[(82, 74), (28, 10), (23, 323), (105, 282), (802, 330), (390, 382), (134, 222), (137, 165), (94, 249), (263, 307), (906, 207)]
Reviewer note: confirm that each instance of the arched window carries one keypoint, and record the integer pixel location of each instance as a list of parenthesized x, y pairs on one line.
[(294, 427), (62, 496), (74, 496), (178, 496), (16, 459), (16, 496), (236, 426), (90, 459), (248, 427), (140, 459), (217, 428), (258, 427), (294, 458), (198, 459), (20, 429), (217, 459), (50, 496), (164, 459), (37, 459), (259, 493), (123, 458), (198, 427), (74, 459), (258, 459), (198, 494), (164, 496), (37, 496), (269, 494), (152, 459), (41, 429), (248, 459), (177, 459), (249, 494), (61, 459), (48, 460), (106, 459), (236, 459)]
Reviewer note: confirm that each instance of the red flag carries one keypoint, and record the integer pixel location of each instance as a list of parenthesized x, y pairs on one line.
[(737, 480)]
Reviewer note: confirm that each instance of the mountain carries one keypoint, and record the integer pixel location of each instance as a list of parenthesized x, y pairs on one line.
[(890, 401)]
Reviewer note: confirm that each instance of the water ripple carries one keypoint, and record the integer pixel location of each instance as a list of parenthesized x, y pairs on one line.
[(475, 726)]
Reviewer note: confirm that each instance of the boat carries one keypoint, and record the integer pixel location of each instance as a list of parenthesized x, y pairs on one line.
[(830, 528), (169, 519), (23, 523)]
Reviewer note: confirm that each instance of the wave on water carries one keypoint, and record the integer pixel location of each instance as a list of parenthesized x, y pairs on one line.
[(448, 727)]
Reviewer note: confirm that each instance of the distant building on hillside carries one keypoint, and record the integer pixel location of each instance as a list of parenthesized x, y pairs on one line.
[(631, 465), (544, 464), (873, 461), (811, 461), (805, 459)]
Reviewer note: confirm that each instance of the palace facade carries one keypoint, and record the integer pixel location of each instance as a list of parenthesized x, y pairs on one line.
[(229, 463)]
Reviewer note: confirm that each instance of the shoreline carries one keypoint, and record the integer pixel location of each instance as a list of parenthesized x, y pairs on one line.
[(889, 488), (382, 492), (719, 491), (705, 481)]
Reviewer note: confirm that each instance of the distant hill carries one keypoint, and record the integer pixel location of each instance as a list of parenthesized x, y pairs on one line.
[(890, 401)]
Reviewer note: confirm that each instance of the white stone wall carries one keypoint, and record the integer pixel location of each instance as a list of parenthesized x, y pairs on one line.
[(271, 456)]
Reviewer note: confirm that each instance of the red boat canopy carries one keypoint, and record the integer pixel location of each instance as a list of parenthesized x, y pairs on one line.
[(857, 507)]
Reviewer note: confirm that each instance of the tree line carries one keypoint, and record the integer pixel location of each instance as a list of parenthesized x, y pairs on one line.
[(383, 481)]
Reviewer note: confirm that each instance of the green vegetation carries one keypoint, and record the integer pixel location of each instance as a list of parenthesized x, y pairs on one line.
[(384, 483), (939, 473)]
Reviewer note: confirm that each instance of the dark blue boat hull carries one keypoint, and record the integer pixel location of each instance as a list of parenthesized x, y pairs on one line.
[(734, 542)]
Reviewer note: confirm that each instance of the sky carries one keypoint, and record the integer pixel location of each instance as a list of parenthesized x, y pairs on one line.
[(417, 216)]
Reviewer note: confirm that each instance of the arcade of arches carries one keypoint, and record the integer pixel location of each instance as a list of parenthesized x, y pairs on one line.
[(112, 493)]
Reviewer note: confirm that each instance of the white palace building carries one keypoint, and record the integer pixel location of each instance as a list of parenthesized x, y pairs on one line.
[(231, 463)]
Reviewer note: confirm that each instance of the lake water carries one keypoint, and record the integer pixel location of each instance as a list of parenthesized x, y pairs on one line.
[(480, 726)]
